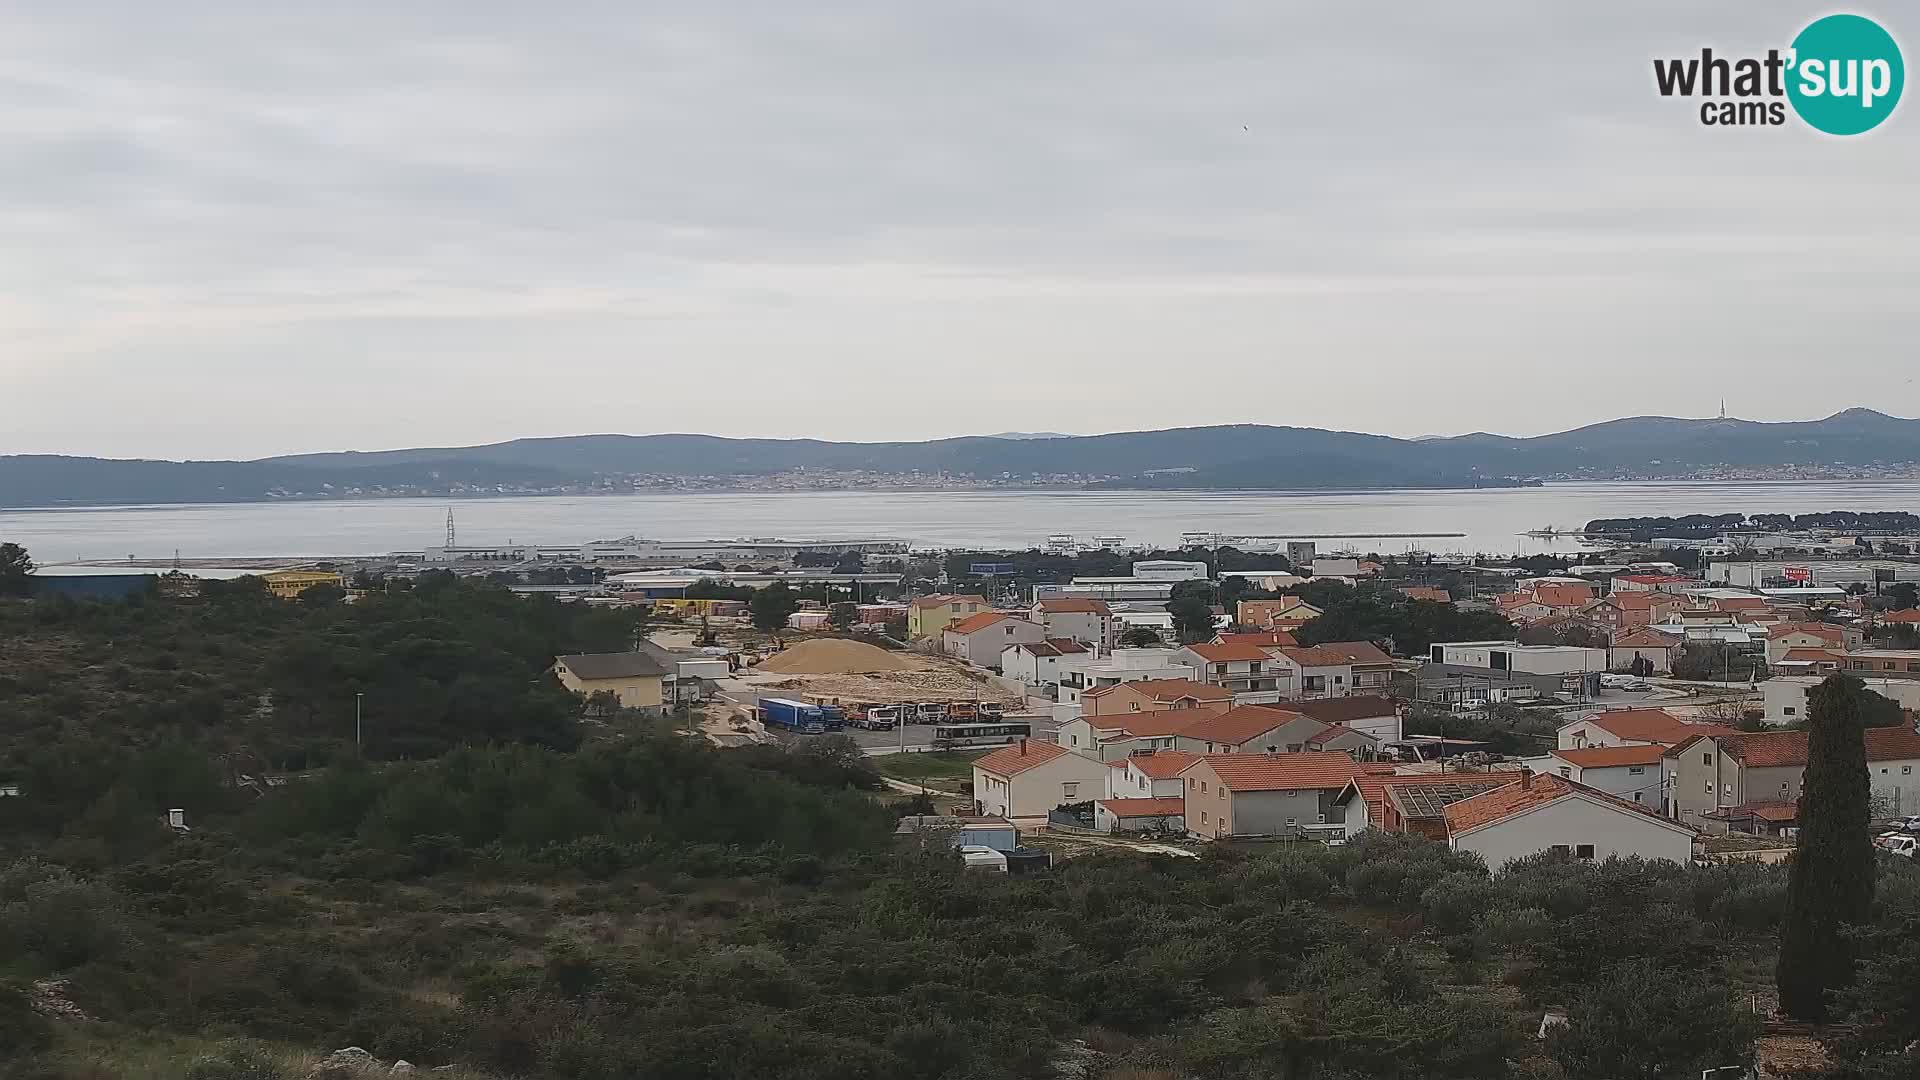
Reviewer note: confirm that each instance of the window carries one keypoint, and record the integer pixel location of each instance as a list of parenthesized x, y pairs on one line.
[(1706, 759), (1223, 794), (1069, 790), (1636, 770), (1203, 817), (1203, 786), (1709, 787), (1906, 770), (1339, 679), (1561, 849), (1636, 796), (1584, 851), (1290, 823), (1566, 771), (1789, 710)]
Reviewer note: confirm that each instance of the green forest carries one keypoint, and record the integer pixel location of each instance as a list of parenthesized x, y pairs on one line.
[(488, 882)]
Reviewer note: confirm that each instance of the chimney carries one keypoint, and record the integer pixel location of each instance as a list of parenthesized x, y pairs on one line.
[(1023, 748), (1526, 778)]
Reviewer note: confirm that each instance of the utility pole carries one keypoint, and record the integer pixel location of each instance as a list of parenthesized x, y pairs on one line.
[(357, 696)]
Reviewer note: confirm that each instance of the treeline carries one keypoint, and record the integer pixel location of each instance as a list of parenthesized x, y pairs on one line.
[(1382, 614), (270, 685), (1700, 525)]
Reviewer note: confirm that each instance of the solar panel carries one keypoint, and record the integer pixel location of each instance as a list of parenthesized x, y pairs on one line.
[(1431, 800)]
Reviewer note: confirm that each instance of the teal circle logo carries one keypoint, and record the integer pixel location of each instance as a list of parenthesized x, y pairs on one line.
[(1845, 75)]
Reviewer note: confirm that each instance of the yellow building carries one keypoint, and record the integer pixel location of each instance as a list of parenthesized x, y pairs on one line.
[(929, 616), (289, 584), (636, 679)]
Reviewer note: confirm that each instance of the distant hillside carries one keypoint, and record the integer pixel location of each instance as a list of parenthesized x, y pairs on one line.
[(1244, 456)]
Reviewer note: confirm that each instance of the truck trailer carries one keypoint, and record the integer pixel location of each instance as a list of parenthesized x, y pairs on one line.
[(800, 716)]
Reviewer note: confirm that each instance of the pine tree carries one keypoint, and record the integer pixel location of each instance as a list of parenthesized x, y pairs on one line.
[(1831, 883)]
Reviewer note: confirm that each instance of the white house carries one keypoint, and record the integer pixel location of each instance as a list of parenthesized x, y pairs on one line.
[(1079, 674), (1337, 668), (1631, 727), (1643, 643), (1165, 816), (1551, 813), (1631, 772), (1037, 663), (1785, 696), (1252, 673), (1089, 622), (1148, 775), (1373, 714), (981, 639), (1030, 778)]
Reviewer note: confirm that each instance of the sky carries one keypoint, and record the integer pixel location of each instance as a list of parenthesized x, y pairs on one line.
[(241, 229)]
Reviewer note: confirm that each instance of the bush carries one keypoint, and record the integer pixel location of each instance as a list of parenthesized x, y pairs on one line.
[(49, 914)]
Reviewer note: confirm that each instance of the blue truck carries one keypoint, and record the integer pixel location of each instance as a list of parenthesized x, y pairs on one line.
[(801, 716)]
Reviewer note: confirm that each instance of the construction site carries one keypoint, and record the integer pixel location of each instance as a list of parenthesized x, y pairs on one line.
[(838, 671)]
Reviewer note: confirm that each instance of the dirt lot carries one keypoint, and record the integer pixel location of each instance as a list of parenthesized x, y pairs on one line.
[(927, 678)]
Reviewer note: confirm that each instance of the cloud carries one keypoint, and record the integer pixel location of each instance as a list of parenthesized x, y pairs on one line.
[(466, 222)]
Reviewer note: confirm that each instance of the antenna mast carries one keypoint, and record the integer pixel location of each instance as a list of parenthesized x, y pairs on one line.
[(450, 526)]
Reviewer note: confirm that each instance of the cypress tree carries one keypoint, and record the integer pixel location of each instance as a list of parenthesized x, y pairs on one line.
[(1831, 883)]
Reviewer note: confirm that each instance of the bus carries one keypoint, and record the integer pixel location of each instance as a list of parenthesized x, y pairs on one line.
[(981, 734)]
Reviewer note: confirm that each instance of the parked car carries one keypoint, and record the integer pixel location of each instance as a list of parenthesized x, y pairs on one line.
[(1904, 845)]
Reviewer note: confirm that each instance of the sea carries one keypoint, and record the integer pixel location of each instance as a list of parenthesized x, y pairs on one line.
[(1488, 521)]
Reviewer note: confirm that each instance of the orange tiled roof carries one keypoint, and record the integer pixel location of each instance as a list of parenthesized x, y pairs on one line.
[(1169, 805), (1566, 596), (1162, 764), (1068, 605), (975, 623), (1281, 772), (1652, 725), (1608, 757), (944, 599), (1774, 749), (1911, 615), (1645, 638), (1525, 794), (1819, 630), (1820, 656), (1374, 788), (1168, 690), (1426, 592), (1146, 725), (1017, 758), (1341, 710), (1236, 726), (1269, 638), (1336, 653), (1221, 654)]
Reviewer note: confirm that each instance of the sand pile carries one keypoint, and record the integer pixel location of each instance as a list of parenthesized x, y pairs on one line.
[(832, 656)]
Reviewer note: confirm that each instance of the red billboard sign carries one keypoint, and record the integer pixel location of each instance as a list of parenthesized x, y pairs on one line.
[(1798, 573)]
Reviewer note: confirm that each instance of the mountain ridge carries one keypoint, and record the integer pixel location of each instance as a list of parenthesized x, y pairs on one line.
[(1237, 456)]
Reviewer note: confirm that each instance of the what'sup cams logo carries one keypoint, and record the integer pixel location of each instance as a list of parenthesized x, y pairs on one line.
[(1842, 75)]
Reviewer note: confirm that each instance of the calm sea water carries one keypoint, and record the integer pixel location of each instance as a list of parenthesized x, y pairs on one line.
[(1492, 520)]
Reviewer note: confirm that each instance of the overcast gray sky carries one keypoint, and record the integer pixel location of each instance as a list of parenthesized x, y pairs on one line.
[(237, 229)]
